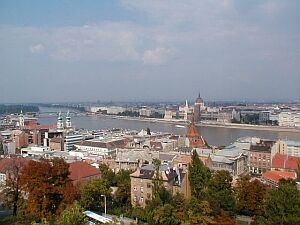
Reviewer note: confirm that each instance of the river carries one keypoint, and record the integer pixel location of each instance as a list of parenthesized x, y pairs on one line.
[(213, 135)]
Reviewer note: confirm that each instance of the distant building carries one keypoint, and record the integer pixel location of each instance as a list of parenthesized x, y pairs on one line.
[(291, 148), (144, 112), (9, 147), (71, 139), (173, 179), (36, 152), (82, 171), (272, 178), (285, 162), (232, 158), (20, 137), (198, 107), (131, 159), (289, 119), (194, 138), (104, 147), (260, 156)]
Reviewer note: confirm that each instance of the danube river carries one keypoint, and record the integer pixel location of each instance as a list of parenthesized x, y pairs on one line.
[(213, 135)]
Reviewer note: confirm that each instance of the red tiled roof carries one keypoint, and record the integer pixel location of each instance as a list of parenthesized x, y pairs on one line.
[(278, 175), (285, 162), (79, 170), (192, 131)]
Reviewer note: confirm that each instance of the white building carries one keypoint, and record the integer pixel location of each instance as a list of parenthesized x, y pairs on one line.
[(289, 119), (291, 148), (170, 114), (71, 139), (115, 110), (145, 112), (9, 148), (36, 152), (102, 147)]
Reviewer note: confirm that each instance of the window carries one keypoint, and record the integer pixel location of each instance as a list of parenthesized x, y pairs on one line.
[(142, 189), (142, 199), (148, 185), (134, 188)]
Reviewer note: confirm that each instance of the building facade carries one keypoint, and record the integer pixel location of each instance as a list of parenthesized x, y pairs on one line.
[(173, 179)]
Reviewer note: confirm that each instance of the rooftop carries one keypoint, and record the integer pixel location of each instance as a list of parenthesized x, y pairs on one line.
[(278, 175), (79, 170), (285, 161)]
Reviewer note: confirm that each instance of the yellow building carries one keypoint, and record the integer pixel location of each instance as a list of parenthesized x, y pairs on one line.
[(174, 179)]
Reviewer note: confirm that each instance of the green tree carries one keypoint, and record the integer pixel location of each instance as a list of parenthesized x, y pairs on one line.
[(282, 205), (90, 194), (1, 148), (199, 177), (199, 212), (108, 174), (298, 172), (157, 181), (221, 194), (123, 193), (165, 215), (148, 131), (250, 196), (72, 215)]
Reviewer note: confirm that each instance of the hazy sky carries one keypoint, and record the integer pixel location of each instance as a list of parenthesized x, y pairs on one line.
[(129, 50)]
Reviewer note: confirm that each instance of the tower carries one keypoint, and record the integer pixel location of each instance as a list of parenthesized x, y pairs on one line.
[(60, 123), (68, 121), (186, 110), (21, 120), (194, 138), (199, 105)]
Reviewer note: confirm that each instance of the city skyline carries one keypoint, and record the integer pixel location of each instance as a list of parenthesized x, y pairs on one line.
[(70, 51)]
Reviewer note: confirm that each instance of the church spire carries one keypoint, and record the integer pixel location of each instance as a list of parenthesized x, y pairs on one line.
[(68, 121), (60, 123), (21, 120)]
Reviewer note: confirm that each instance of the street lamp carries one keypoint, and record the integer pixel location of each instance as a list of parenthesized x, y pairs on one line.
[(104, 204)]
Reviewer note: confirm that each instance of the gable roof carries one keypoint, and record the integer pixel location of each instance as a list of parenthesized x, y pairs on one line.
[(278, 175), (285, 161), (79, 170)]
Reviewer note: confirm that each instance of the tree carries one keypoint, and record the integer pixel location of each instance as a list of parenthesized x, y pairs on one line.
[(165, 215), (199, 176), (1, 148), (298, 172), (123, 192), (250, 196), (73, 215), (221, 194), (46, 182), (11, 193), (199, 212), (225, 219), (282, 205), (90, 194), (108, 174)]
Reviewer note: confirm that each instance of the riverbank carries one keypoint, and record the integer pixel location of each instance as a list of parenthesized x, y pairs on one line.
[(206, 124)]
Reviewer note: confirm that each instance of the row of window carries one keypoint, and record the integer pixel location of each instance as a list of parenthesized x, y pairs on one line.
[(142, 188)]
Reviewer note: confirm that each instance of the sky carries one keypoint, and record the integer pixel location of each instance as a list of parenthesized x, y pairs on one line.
[(149, 50)]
